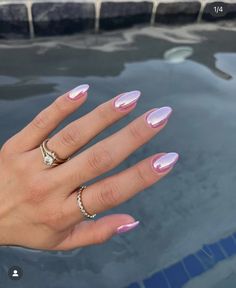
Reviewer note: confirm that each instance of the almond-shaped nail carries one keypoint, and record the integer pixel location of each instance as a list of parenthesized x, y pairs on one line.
[(126, 227), (78, 91), (165, 162), (158, 116), (127, 100)]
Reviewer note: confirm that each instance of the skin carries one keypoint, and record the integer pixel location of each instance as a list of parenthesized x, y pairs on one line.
[(38, 207)]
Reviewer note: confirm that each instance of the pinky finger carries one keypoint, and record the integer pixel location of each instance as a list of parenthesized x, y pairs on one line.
[(97, 232)]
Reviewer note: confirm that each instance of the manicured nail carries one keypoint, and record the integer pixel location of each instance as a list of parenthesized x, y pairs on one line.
[(159, 116), (126, 227), (165, 162), (78, 91), (127, 100)]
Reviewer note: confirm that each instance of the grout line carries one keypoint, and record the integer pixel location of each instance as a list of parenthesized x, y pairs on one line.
[(30, 18), (97, 15), (154, 10), (203, 5)]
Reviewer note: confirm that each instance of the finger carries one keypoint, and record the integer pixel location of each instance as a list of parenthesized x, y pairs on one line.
[(80, 132), (108, 153), (97, 232), (48, 119), (116, 189)]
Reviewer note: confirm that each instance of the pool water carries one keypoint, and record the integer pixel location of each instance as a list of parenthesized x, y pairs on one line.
[(186, 237)]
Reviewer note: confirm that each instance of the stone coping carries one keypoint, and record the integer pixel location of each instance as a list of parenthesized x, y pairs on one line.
[(37, 18)]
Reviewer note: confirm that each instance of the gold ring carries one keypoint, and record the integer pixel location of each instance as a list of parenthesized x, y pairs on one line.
[(50, 158), (80, 203)]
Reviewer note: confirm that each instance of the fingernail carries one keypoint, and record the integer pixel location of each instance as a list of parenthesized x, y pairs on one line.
[(126, 227), (165, 162), (158, 116), (78, 91), (127, 100)]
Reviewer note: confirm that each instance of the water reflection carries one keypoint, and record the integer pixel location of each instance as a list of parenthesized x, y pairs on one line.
[(195, 205), (76, 55), (178, 54)]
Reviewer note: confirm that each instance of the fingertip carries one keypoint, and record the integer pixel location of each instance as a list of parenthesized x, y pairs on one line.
[(163, 163), (127, 227), (127, 101), (158, 117), (78, 92)]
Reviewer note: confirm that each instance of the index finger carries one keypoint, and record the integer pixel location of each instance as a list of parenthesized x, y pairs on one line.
[(47, 120)]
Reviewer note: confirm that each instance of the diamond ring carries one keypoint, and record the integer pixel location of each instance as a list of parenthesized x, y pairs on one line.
[(50, 158)]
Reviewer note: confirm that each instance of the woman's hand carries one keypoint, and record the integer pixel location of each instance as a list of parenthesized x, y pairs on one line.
[(38, 203)]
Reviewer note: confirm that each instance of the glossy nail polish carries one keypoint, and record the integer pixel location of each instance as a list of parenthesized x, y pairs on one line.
[(126, 100), (165, 162), (158, 116), (126, 227), (78, 91)]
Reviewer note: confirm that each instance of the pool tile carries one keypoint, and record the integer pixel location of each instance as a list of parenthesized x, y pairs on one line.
[(206, 257), (133, 285), (181, 12), (176, 275), (157, 280), (116, 15), (234, 236), (13, 21), (58, 18), (216, 252), (229, 245), (193, 265)]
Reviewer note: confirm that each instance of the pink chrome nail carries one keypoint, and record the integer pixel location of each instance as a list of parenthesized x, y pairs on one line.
[(78, 91), (158, 116), (126, 227), (126, 100), (165, 162)]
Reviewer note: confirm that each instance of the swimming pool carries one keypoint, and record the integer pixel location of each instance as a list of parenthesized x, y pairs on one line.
[(192, 207)]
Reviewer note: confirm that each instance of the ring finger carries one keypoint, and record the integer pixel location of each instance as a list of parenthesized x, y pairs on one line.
[(116, 189), (78, 133)]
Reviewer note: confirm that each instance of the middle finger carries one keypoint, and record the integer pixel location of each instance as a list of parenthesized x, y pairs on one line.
[(111, 151)]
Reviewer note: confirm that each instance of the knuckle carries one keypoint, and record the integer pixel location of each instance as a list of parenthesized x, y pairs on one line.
[(41, 120), (136, 133), (141, 177), (103, 113), (100, 159), (76, 177), (60, 105), (70, 136), (7, 147), (109, 195)]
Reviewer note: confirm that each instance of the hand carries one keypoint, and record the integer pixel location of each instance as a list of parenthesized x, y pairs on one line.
[(38, 203)]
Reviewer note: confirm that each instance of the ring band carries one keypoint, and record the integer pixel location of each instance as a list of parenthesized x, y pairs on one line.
[(80, 203), (50, 158)]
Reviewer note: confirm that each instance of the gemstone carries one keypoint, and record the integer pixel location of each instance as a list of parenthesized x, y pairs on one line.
[(48, 160)]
